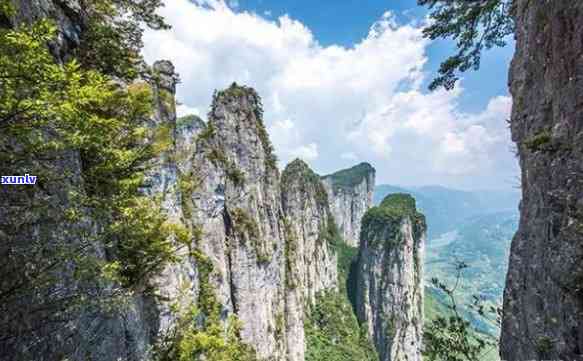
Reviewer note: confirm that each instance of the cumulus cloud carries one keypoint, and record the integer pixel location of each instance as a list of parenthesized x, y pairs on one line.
[(334, 105)]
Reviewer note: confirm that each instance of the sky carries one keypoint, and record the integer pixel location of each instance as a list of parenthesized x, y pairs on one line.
[(344, 82)]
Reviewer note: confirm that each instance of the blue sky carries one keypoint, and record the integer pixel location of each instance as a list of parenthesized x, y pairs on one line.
[(344, 82), (346, 22)]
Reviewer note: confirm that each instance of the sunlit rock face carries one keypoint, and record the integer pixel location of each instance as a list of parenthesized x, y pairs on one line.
[(389, 290), (311, 262), (263, 242), (350, 192), (543, 308), (235, 202)]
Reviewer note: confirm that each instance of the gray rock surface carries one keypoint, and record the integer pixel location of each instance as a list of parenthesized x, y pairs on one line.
[(543, 308), (350, 192), (389, 290), (236, 205), (311, 262), (269, 248)]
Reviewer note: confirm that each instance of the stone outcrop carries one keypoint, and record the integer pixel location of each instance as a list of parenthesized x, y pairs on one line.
[(311, 264), (389, 290), (351, 194), (259, 253), (543, 308), (69, 17), (234, 202)]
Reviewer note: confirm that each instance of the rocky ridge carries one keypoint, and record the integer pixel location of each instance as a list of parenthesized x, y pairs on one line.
[(351, 194), (311, 262), (389, 289), (260, 253)]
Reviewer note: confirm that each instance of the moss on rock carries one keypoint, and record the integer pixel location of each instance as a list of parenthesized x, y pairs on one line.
[(351, 177), (388, 216)]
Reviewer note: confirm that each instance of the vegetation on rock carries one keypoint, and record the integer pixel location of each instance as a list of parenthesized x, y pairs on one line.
[(392, 210), (351, 177), (200, 333), (333, 332), (306, 179), (239, 91), (332, 329), (87, 139)]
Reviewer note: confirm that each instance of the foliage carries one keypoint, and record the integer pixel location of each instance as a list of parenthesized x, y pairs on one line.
[(291, 249), (188, 121), (449, 336), (238, 91), (211, 343), (208, 132), (330, 232), (349, 178), (308, 181), (475, 25), (219, 159), (87, 140), (333, 332), (112, 39), (391, 211), (540, 141), (331, 327), (244, 224), (399, 203), (247, 229), (200, 333), (142, 243), (49, 110), (347, 270)]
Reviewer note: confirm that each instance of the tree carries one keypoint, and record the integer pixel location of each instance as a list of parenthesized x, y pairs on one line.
[(84, 237), (111, 40), (450, 337), (475, 25)]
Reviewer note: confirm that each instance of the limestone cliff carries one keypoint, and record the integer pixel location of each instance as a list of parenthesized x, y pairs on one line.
[(350, 192), (311, 262), (389, 290), (258, 254), (232, 199), (543, 309)]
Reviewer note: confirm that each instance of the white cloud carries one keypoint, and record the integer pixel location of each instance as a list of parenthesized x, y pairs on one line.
[(308, 152), (183, 109), (328, 103), (349, 156)]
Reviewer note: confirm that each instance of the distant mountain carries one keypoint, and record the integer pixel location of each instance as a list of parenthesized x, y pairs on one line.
[(447, 208)]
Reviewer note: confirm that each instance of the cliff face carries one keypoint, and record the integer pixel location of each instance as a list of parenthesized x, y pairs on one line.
[(311, 263), (350, 192), (543, 312), (259, 255), (233, 202), (69, 18), (389, 290)]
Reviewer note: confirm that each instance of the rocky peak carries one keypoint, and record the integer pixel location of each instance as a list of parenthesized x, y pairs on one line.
[(233, 199), (350, 192), (389, 291), (310, 258)]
